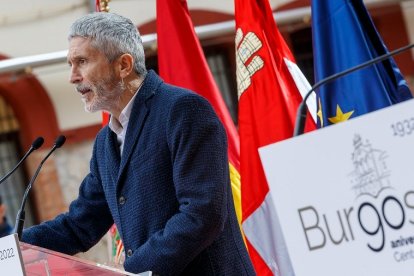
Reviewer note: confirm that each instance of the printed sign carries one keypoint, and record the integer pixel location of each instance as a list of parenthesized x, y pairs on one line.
[(344, 195), (10, 258)]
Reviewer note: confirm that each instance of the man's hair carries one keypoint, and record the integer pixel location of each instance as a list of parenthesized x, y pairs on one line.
[(113, 35)]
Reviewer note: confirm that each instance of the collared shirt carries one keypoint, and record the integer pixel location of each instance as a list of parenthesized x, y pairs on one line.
[(120, 127)]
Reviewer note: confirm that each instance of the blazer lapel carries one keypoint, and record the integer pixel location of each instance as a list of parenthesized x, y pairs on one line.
[(112, 155), (136, 122), (137, 119)]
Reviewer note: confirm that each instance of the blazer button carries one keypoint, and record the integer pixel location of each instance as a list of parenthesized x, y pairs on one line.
[(121, 200), (129, 252)]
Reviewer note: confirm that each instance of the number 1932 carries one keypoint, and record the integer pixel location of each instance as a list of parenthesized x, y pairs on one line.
[(403, 128)]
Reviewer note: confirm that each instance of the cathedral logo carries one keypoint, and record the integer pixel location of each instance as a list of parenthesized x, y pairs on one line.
[(370, 175)]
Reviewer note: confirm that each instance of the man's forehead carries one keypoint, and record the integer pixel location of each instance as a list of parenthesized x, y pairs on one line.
[(80, 46), (78, 41)]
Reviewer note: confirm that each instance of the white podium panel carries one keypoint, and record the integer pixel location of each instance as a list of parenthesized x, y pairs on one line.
[(344, 195), (10, 256)]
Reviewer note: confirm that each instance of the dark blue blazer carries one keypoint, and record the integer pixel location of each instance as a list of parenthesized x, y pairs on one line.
[(169, 194)]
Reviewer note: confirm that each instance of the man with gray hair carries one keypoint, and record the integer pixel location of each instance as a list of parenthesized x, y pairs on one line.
[(159, 170)]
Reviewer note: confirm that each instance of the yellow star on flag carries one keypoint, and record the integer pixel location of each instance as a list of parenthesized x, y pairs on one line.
[(340, 116)]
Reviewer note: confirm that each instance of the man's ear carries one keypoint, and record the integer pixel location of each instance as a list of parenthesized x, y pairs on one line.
[(126, 65)]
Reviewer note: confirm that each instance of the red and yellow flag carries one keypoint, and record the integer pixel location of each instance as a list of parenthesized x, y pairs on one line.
[(117, 247), (181, 62), (267, 82)]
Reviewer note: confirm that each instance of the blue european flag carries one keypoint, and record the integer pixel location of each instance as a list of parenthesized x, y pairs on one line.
[(345, 36)]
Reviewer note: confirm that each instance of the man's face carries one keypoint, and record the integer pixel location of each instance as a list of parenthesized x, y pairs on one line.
[(94, 76)]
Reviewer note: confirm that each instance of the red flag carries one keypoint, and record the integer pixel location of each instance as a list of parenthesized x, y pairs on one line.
[(268, 100), (181, 62), (97, 5)]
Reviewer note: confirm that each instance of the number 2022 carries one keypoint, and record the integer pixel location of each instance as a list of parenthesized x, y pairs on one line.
[(6, 254)]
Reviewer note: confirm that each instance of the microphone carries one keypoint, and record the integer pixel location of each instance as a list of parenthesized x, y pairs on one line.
[(21, 214), (301, 113), (37, 143)]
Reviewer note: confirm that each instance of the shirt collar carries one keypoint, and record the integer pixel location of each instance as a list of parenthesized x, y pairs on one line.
[(118, 126)]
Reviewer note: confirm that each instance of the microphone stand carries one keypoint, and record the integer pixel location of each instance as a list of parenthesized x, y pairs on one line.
[(35, 145), (21, 214)]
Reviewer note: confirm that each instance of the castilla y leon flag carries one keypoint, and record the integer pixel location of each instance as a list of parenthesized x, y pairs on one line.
[(270, 88), (181, 62)]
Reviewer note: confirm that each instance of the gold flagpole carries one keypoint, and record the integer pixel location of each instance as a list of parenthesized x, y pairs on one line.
[(104, 5)]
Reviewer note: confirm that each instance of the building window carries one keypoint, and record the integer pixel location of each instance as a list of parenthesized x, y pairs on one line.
[(302, 49), (218, 59), (12, 189)]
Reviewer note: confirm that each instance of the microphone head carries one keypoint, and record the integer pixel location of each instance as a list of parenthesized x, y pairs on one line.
[(37, 143), (60, 141)]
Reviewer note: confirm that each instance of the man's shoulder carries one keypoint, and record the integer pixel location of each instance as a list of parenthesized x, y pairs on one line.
[(176, 91), (164, 89), (175, 94), (168, 96), (102, 134)]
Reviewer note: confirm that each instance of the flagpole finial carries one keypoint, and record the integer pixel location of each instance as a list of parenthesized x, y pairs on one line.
[(104, 5)]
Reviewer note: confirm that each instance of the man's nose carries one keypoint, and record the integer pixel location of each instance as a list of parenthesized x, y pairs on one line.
[(75, 76)]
